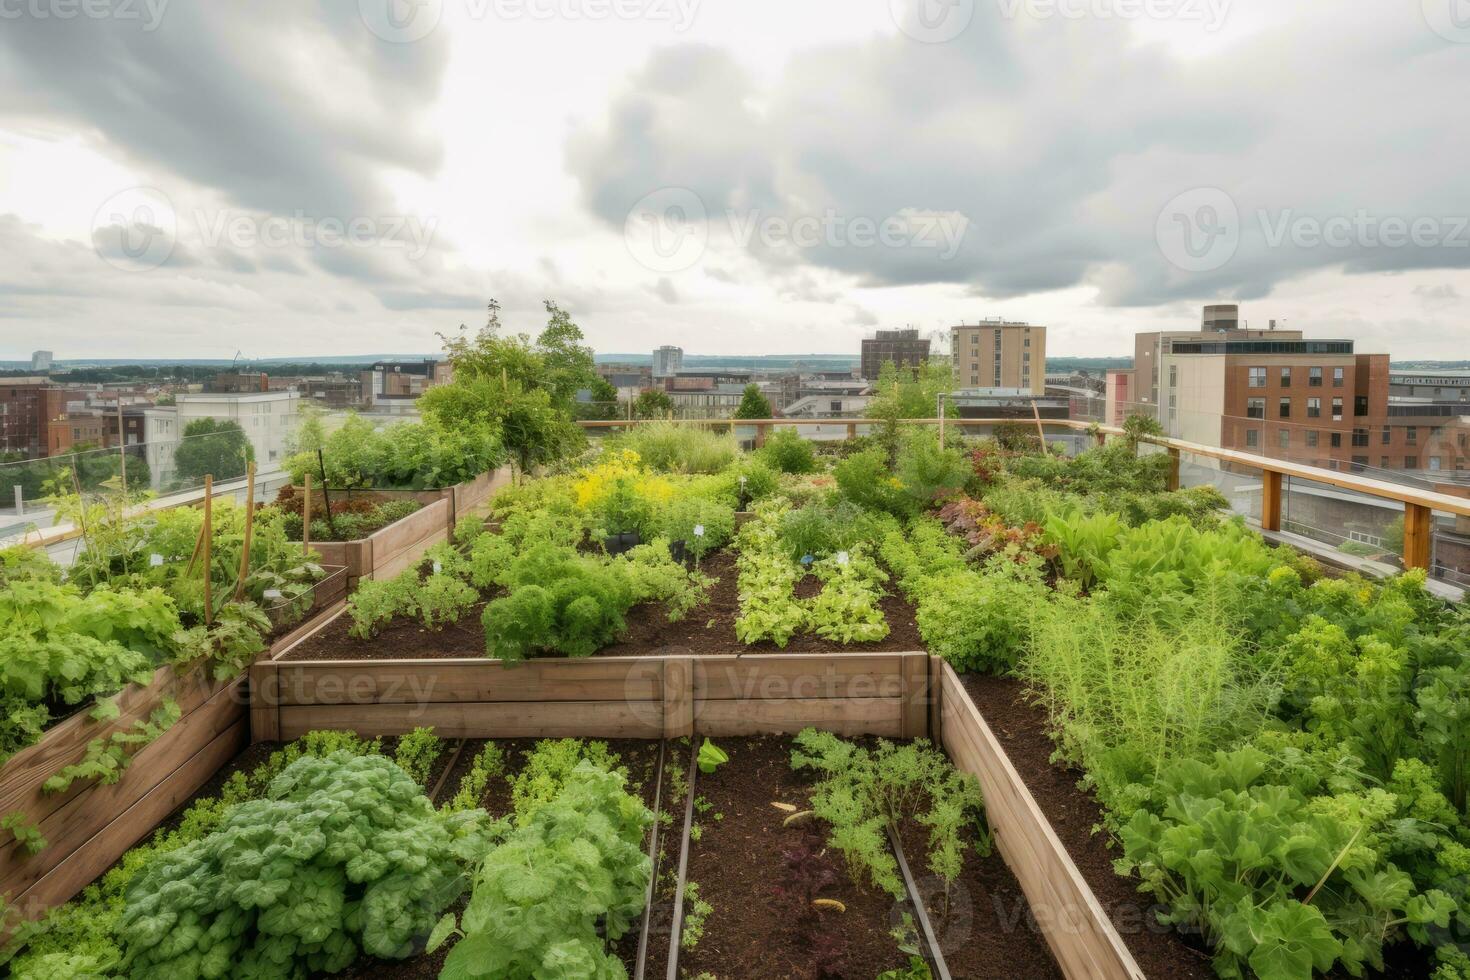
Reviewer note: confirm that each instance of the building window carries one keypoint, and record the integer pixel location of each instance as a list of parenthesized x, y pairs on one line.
[(1026, 342), (1284, 408), (1337, 409), (1411, 462), (1257, 377), (1337, 440), (835, 407), (1283, 438), (1360, 437), (1383, 462), (1311, 438), (1314, 377), (1314, 408), (1360, 405), (1286, 377), (1387, 435), (1434, 463), (1255, 408), (1173, 375), (1252, 438), (1411, 434), (1337, 377)]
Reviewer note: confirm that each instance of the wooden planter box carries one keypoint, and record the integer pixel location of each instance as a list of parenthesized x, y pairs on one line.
[(462, 497), (902, 695), (390, 550)]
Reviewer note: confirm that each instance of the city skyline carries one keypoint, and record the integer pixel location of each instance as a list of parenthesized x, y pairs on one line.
[(949, 177)]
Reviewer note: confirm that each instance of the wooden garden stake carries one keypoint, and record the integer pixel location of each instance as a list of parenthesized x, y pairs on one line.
[(306, 517), (1040, 432), (249, 529), (208, 533)]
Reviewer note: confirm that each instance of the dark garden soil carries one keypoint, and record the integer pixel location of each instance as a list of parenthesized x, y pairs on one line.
[(754, 932), (1021, 729), (707, 630), (984, 925)]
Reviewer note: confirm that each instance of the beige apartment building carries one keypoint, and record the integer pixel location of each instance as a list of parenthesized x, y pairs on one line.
[(999, 354)]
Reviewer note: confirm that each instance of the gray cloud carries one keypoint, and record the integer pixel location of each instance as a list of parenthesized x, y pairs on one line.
[(1061, 141)]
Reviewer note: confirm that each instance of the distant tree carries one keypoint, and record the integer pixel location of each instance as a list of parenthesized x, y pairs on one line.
[(212, 447), (753, 405), (899, 395), (604, 401), (652, 404)]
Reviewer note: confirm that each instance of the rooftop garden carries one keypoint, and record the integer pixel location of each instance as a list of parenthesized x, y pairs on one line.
[(1262, 769)]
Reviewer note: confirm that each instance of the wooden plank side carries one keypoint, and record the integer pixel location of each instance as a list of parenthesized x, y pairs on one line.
[(301, 683), (88, 807), (768, 676), (402, 535), (265, 703), (916, 699), (65, 744), (1073, 921), (679, 704), (100, 851), (844, 716), (557, 719)]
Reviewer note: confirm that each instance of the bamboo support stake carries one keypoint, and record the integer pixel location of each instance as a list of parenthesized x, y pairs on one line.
[(1040, 432), (249, 529), (208, 535), (122, 447), (306, 518)]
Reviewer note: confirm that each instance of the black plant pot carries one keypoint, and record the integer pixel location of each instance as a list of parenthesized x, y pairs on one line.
[(679, 551), (616, 544)]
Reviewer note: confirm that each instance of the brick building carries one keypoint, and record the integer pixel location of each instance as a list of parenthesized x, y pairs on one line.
[(903, 347)]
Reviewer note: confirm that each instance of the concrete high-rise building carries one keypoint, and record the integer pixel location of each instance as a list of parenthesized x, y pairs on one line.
[(668, 361), (999, 354), (903, 347), (41, 360)]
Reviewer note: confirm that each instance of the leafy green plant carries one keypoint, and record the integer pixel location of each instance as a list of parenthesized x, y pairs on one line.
[(978, 620), (711, 757), (406, 455), (864, 478), (549, 767), (703, 525), (564, 884), (1084, 542), (488, 763), (231, 644), (417, 752), (847, 610), (24, 830), (358, 859), (861, 791), (442, 600), (652, 575), (768, 607), (786, 451), (667, 447), (695, 916), (377, 602), (107, 758), (577, 609)]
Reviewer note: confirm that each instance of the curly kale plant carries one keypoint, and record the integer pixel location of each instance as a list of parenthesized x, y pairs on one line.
[(343, 855), (548, 900)]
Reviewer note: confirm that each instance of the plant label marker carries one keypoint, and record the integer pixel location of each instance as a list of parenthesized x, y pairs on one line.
[(437, 568), (155, 560), (842, 558), (699, 530), (272, 594)]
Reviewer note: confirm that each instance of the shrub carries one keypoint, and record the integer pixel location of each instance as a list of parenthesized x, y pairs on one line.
[(863, 478), (977, 620), (577, 609), (443, 599), (671, 448), (417, 752), (402, 456), (356, 858), (652, 575), (930, 475), (786, 451)]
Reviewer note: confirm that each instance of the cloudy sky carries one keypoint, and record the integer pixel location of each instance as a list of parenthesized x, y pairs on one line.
[(309, 177)]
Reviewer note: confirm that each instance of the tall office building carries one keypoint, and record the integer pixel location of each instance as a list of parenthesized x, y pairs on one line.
[(41, 361), (667, 361), (999, 354), (903, 347)]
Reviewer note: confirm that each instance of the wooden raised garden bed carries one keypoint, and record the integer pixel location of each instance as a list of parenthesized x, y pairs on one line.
[(90, 825), (895, 695)]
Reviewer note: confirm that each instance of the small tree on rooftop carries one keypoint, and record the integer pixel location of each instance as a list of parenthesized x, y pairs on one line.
[(652, 404), (753, 405)]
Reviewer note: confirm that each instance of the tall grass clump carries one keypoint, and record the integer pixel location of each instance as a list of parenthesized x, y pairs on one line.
[(670, 448), (1127, 696)]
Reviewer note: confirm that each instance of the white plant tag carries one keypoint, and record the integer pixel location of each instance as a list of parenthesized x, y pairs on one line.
[(272, 594), (155, 560), (842, 558), (699, 530), (438, 568)]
